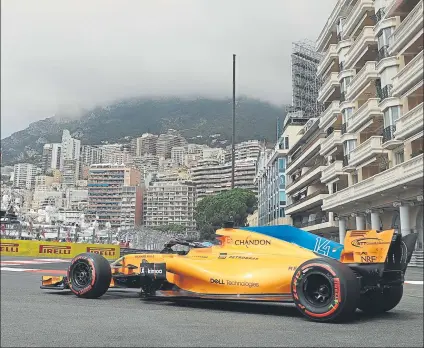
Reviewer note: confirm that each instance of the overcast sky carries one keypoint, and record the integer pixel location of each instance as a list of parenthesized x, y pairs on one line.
[(70, 54)]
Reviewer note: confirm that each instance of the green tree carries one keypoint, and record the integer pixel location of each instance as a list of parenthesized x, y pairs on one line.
[(233, 205), (171, 228)]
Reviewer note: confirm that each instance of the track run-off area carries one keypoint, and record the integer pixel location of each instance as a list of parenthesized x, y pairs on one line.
[(31, 317)]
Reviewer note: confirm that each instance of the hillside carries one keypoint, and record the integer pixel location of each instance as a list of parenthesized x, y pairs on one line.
[(196, 119)]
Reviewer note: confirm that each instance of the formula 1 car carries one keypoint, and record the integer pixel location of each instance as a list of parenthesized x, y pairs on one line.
[(326, 280)]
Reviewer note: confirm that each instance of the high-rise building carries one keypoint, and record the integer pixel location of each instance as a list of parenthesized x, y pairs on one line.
[(244, 150), (177, 155), (211, 176), (91, 155), (271, 174), (70, 148), (106, 192), (51, 156), (146, 144), (24, 175), (372, 68), (170, 202), (70, 172), (167, 141)]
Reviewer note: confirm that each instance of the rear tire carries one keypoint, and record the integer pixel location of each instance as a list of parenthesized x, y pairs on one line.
[(89, 275), (325, 290), (374, 302)]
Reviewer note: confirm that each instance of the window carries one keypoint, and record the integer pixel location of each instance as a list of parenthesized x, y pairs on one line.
[(283, 197), (284, 143), (399, 157), (347, 114), (282, 213), (345, 82), (383, 37), (281, 165), (282, 181), (391, 115), (349, 146)]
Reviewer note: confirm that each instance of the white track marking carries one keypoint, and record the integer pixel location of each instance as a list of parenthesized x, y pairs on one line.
[(414, 282), (31, 262), (17, 269)]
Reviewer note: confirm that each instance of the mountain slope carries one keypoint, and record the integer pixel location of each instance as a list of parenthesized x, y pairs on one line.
[(197, 119)]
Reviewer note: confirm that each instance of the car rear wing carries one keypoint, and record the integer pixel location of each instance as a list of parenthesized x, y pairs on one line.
[(371, 247)]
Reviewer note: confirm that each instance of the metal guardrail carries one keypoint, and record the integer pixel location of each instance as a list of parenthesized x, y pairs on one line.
[(417, 259)]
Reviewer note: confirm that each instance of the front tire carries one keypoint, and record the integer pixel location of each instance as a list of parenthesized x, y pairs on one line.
[(376, 302), (325, 290), (89, 275)]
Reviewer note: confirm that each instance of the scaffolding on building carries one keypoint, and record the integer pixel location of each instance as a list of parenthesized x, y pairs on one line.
[(305, 82)]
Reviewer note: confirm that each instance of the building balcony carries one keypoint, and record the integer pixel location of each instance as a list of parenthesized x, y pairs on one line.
[(362, 80), (409, 76), (364, 116), (330, 26), (356, 16), (364, 152), (322, 225), (390, 181), (305, 154), (384, 93), (308, 202), (408, 30), (308, 177), (329, 116), (332, 171), (328, 88), (389, 140), (362, 44), (410, 123), (331, 142), (329, 57)]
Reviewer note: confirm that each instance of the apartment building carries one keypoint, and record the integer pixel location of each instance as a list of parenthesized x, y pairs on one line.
[(244, 150), (372, 69), (271, 173), (106, 191), (90, 155), (178, 155), (24, 175), (146, 144), (304, 186), (212, 177), (70, 148), (167, 141), (52, 154), (131, 207), (70, 172), (170, 202)]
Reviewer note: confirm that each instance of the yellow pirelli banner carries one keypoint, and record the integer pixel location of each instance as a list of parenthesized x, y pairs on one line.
[(41, 249)]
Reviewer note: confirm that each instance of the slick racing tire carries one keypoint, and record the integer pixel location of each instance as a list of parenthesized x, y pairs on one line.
[(375, 302), (325, 290), (89, 275)]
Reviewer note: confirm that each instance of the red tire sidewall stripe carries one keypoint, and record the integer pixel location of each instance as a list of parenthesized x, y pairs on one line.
[(93, 275), (337, 291)]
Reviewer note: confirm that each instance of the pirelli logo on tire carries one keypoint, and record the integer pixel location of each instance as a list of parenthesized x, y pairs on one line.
[(102, 251), (55, 249)]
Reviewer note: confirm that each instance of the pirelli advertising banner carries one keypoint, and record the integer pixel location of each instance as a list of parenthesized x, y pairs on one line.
[(40, 249)]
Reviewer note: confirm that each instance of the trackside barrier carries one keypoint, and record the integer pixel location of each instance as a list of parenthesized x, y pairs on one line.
[(126, 251), (417, 259), (58, 250)]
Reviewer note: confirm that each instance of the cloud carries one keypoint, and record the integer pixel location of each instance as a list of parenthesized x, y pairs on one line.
[(73, 54)]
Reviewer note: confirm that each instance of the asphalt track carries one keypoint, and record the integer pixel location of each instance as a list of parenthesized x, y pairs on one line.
[(32, 317)]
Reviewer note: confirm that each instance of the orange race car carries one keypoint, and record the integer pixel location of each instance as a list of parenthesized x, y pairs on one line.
[(326, 280)]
